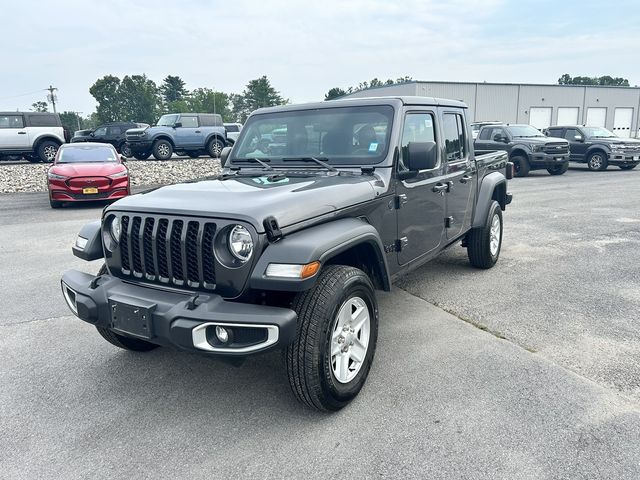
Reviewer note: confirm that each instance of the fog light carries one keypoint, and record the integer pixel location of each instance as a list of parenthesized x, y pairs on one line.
[(222, 334)]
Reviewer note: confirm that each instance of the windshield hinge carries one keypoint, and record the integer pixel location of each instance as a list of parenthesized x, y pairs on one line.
[(400, 200), (367, 170), (272, 228)]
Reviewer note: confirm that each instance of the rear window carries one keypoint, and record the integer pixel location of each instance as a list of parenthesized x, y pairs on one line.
[(232, 128), (87, 154), (211, 120), (11, 121), (43, 121)]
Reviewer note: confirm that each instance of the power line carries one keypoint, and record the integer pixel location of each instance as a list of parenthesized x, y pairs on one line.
[(25, 94)]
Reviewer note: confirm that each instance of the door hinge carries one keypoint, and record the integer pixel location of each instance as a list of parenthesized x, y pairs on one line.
[(400, 200), (448, 222), (401, 244)]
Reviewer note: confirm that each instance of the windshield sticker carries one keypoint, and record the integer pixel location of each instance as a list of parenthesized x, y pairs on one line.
[(266, 181), (373, 147)]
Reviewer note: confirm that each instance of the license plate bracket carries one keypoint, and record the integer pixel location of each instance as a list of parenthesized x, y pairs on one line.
[(89, 190), (132, 317)]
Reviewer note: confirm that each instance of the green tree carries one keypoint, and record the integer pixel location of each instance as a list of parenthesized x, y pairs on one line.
[(206, 100), (71, 120), (40, 106), (567, 79), (173, 89), (139, 99), (335, 92), (106, 92), (257, 94)]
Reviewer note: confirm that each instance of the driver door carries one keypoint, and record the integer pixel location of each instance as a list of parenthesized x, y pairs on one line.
[(189, 134)]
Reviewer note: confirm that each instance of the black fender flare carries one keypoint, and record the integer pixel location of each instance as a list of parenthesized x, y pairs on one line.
[(491, 182), (163, 136), (521, 147), (92, 250), (322, 242), (597, 148), (217, 135)]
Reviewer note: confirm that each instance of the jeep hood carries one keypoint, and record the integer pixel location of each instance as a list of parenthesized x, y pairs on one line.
[(252, 199)]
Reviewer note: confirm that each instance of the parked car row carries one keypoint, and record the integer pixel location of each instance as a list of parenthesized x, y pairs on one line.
[(530, 149)]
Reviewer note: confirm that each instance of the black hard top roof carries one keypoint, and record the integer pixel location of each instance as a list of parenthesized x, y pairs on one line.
[(364, 101)]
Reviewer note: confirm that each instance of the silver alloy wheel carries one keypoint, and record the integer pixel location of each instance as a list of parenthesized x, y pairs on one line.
[(216, 148), (494, 235), (163, 150), (595, 161), (50, 152), (125, 150), (350, 339)]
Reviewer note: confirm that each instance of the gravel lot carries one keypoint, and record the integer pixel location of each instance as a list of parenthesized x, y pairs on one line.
[(32, 177), (555, 399)]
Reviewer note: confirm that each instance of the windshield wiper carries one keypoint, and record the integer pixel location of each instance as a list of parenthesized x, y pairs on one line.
[(320, 162), (263, 163)]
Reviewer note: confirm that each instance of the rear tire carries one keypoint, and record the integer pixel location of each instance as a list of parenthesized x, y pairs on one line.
[(558, 169), (521, 166), (214, 148), (120, 341), (484, 243), (597, 162), (627, 167), (328, 362), (47, 151), (162, 150)]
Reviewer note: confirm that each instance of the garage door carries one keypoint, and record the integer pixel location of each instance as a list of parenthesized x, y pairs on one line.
[(540, 117), (622, 122), (596, 117), (567, 116)]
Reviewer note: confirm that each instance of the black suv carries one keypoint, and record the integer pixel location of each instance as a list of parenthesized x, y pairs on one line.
[(113, 133), (598, 147), (527, 147)]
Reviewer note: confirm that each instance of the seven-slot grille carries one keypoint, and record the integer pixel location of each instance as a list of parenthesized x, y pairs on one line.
[(556, 148), (176, 251)]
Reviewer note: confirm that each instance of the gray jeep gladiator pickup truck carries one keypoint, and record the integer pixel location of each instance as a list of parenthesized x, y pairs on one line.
[(183, 133), (286, 248), (527, 147)]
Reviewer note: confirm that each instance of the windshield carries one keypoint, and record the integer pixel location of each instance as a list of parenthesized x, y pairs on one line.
[(524, 131), (87, 154), (340, 135), (167, 120), (599, 132)]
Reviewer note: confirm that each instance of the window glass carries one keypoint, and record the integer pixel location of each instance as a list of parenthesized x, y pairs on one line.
[(418, 127), (454, 136), (554, 132), (571, 134), (100, 132), (231, 128), (493, 133), (11, 121), (79, 153), (113, 130), (167, 120), (43, 120), (189, 122), (524, 131), (339, 135), (598, 132)]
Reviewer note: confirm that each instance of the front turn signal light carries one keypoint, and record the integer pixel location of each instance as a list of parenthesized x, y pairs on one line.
[(289, 270)]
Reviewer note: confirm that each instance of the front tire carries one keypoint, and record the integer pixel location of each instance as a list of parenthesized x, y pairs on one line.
[(484, 243), (214, 148), (521, 166), (329, 361), (125, 150), (47, 151), (558, 169), (162, 150), (597, 162)]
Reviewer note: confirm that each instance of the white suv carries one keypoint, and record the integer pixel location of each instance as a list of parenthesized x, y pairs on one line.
[(34, 135), (233, 131)]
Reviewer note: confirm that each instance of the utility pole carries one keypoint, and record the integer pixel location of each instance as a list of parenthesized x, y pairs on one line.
[(78, 119), (52, 97)]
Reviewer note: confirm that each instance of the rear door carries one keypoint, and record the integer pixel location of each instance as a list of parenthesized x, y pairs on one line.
[(577, 149), (13, 134), (487, 140), (420, 208), (113, 135), (459, 172), (189, 135)]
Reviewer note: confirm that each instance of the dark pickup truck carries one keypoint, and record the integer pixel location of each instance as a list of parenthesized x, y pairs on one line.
[(527, 147), (598, 147), (286, 248)]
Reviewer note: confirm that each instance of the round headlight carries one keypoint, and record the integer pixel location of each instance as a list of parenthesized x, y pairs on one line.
[(115, 229), (240, 243)]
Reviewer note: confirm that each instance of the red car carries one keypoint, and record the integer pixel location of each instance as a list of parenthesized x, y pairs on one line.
[(87, 171)]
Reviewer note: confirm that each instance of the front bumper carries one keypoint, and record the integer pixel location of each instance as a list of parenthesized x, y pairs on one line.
[(546, 160), (180, 320), (623, 158)]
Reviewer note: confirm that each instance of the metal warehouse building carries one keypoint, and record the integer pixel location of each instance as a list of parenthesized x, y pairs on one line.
[(616, 108)]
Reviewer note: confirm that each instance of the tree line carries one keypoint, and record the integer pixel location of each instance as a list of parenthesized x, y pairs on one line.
[(567, 79)]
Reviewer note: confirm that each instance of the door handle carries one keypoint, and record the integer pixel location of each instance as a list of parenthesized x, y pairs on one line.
[(198, 131), (465, 179), (440, 187), (22, 133)]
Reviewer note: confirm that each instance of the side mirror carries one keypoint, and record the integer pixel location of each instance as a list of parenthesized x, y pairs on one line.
[(177, 125), (123, 159), (224, 155), (578, 138), (504, 139), (92, 134), (421, 156)]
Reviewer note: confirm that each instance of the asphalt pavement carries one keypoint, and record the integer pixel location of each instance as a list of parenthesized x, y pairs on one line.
[(532, 375)]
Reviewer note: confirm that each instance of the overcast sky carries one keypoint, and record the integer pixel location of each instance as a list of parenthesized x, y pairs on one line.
[(305, 48)]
